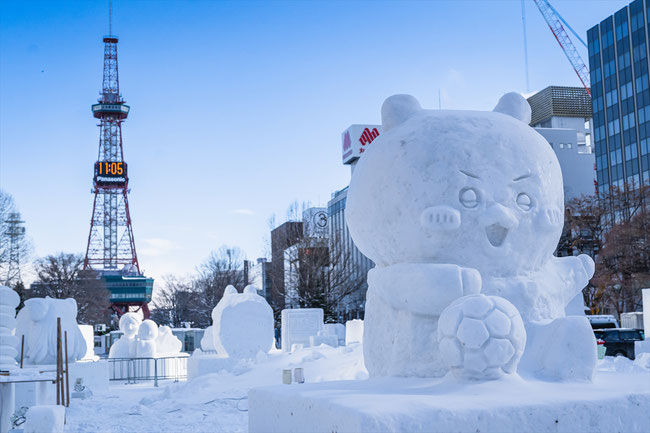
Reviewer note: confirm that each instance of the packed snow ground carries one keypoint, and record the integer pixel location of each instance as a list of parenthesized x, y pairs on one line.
[(217, 402), (211, 403)]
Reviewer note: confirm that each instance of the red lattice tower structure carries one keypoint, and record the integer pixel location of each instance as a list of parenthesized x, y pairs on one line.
[(111, 246)]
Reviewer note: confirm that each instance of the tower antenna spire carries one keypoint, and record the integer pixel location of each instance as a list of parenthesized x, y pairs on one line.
[(110, 17)]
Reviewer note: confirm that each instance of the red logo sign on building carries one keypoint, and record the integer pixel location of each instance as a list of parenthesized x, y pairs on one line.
[(347, 143), (368, 136)]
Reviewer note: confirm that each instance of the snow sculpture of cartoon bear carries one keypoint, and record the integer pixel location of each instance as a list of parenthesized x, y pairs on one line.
[(453, 203), (37, 322), (145, 346), (242, 324), (125, 346), (167, 343)]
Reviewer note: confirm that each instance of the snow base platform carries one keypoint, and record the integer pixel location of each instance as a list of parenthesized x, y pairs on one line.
[(199, 365), (613, 402)]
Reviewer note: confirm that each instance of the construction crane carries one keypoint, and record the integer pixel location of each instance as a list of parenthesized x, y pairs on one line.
[(554, 21)]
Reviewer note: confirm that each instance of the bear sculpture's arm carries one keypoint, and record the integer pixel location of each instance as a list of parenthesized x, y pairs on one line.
[(423, 288), (575, 271)]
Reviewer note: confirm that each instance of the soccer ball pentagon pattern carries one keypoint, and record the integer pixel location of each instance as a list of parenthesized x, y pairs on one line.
[(481, 337)]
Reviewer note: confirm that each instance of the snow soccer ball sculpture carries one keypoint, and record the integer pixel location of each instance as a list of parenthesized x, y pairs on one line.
[(481, 337), (451, 203)]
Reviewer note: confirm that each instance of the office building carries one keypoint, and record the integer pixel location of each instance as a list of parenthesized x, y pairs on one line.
[(562, 115), (618, 61), (282, 237), (356, 264)]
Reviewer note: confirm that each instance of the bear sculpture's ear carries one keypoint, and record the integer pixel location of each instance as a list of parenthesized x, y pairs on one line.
[(514, 105), (397, 109)]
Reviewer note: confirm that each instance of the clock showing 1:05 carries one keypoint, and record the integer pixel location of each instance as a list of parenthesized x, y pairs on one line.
[(110, 173)]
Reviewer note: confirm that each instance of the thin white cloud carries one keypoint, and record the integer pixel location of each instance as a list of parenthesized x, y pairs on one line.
[(156, 247), (242, 211)]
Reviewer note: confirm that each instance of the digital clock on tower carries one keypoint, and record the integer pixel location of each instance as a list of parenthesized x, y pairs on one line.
[(110, 173)]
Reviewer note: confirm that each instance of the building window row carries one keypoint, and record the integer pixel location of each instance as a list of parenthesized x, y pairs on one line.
[(611, 97), (642, 83), (628, 121), (637, 21), (621, 30), (609, 68), (613, 127), (639, 52), (626, 91), (623, 61)]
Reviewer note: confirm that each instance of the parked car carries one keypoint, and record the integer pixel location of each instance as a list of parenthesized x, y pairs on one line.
[(600, 321), (619, 341)]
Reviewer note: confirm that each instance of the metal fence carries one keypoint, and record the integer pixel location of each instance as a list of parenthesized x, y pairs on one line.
[(134, 369)]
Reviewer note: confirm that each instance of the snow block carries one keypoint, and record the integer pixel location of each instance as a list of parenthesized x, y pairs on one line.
[(613, 402), (354, 331), (45, 419), (94, 375), (298, 325), (330, 340), (199, 365), (337, 329)]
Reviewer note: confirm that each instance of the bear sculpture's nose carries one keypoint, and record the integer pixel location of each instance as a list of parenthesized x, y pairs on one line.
[(498, 221)]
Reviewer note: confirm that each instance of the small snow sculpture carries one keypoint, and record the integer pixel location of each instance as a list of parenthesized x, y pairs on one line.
[(242, 324), (481, 337), (146, 343), (167, 342), (37, 322), (9, 344), (126, 345), (143, 339), (207, 342), (473, 204)]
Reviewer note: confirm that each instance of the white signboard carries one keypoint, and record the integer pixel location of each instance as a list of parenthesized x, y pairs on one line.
[(356, 139), (299, 324), (315, 222)]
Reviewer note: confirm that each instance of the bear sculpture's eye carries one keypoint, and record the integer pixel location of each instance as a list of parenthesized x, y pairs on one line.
[(524, 201), (468, 197)]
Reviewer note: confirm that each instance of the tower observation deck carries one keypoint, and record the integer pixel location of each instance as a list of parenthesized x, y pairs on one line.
[(111, 245)]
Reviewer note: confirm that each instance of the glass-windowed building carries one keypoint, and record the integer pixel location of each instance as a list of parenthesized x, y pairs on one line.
[(618, 61)]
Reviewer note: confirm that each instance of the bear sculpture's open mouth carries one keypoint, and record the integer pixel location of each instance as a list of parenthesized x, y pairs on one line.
[(496, 234)]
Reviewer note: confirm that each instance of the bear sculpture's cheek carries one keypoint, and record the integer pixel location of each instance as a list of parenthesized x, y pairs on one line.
[(549, 218), (440, 218)]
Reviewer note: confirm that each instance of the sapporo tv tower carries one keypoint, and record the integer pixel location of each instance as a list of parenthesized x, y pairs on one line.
[(111, 246)]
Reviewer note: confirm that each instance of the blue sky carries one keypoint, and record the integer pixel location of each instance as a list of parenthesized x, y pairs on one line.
[(237, 107)]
